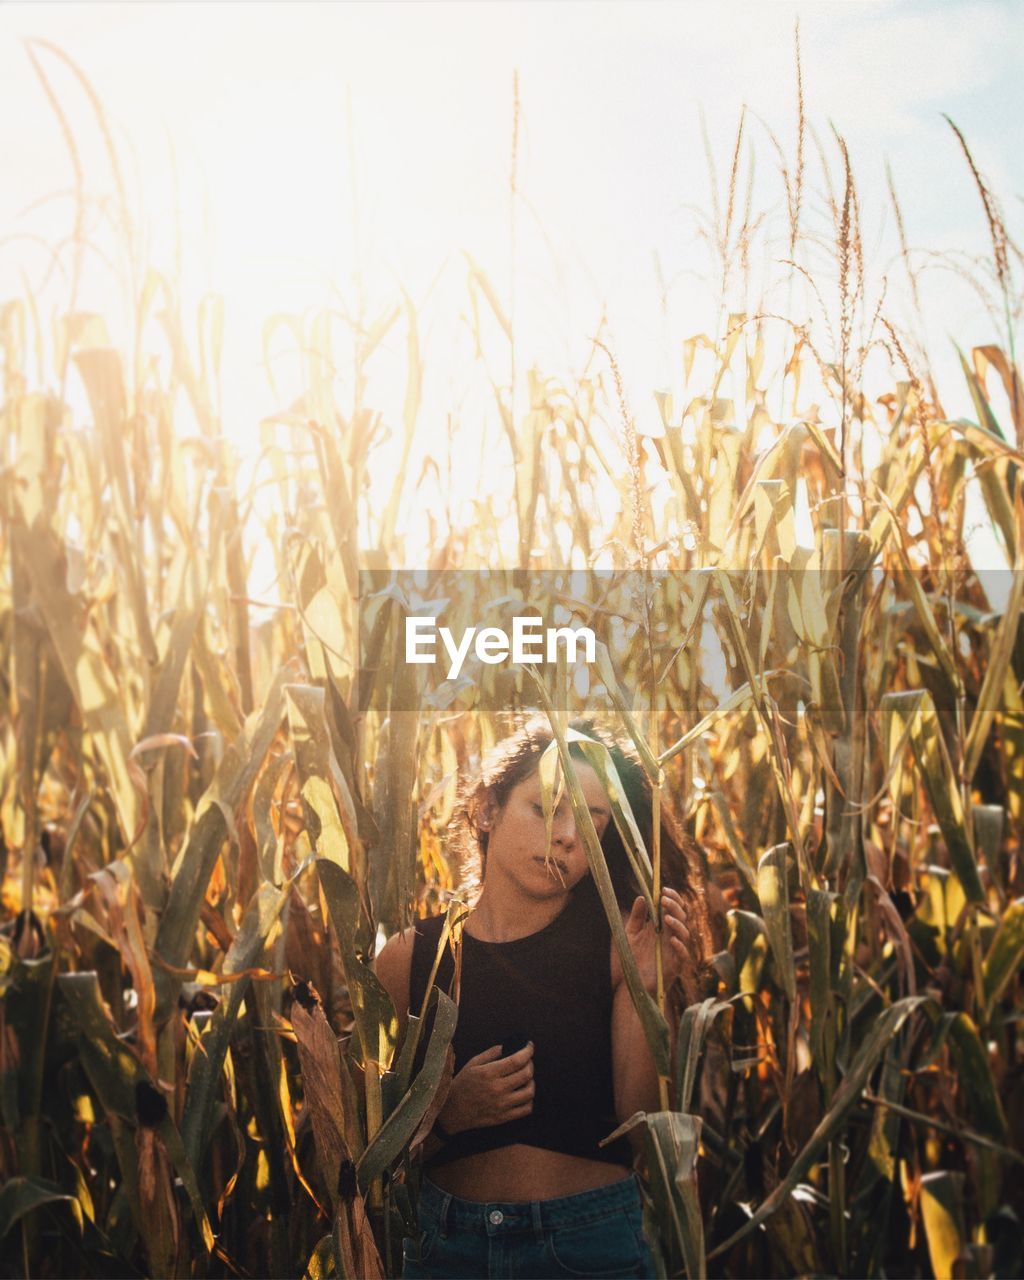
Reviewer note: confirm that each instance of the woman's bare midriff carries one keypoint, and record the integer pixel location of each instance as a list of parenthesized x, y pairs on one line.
[(523, 1173)]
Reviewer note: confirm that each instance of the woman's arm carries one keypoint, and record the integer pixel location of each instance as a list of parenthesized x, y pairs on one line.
[(634, 1075), (633, 1072)]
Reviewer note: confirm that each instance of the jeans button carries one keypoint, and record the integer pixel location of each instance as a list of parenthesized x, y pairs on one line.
[(496, 1217)]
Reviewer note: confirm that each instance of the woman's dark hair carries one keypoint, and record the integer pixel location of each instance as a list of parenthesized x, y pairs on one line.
[(516, 757)]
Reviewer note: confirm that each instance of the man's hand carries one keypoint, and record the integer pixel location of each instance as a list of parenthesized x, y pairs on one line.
[(490, 1090), (677, 949)]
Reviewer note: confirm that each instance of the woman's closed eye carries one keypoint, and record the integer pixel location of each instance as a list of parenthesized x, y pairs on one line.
[(600, 816), (538, 809)]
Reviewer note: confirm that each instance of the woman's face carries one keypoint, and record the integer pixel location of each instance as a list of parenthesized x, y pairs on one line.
[(517, 841)]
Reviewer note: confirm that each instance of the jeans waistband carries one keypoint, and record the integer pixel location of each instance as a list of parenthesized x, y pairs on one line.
[(501, 1217)]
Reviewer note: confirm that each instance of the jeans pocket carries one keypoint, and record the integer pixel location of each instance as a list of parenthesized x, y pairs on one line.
[(418, 1251), (600, 1249)]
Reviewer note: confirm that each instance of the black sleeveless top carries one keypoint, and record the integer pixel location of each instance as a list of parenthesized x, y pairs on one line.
[(552, 987)]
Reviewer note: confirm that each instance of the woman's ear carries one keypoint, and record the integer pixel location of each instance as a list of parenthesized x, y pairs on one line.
[(485, 814)]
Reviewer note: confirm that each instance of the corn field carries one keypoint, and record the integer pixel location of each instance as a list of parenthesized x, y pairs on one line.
[(214, 809)]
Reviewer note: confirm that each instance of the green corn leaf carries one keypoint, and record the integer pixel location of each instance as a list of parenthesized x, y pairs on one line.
[(115, 1073), (208, 1062), (749, 946), (214, 818), (166, 687), (846, 1096), (673, 1142), (455, 914), (821, 913), (942, 1195), (911, 580), (401, 1125), (398, 827), (321, 1261), (990, 697), (376, 1023), (20, 1195), (974, 1076), (1005, 954), (26, 994), (994, 475), (883, 1147), (989, 823), (111, 1065), (913, 712), (694, 1026), (269, 845), (986, 418), (732, 837)]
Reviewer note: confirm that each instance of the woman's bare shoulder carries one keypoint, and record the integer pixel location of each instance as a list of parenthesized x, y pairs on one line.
[(397, 951), (393, 964)]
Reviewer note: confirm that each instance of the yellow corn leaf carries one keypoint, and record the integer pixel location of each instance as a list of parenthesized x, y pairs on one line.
[(914, 712)]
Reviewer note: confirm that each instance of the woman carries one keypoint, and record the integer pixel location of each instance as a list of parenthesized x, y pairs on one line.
[(550, 1056)]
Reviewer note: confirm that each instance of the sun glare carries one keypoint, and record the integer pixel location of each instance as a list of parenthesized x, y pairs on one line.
[(540, 172)]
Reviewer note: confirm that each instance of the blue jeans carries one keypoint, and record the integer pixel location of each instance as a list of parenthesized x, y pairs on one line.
[(594, 1234)]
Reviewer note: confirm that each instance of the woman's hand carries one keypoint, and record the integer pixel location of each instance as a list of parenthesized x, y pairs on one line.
[(677, 957), (490, 1090)]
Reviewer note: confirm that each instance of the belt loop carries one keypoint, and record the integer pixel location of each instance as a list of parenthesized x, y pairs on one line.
[(538, 1219), (446, 1205)]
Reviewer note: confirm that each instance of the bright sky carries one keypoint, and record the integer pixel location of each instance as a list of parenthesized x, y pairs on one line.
[(284, 118)]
